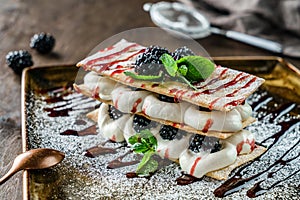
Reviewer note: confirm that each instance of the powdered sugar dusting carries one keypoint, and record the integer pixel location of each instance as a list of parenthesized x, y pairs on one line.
[(80, 177)]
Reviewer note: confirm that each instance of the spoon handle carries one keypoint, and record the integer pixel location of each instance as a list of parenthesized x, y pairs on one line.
[(9, 174)]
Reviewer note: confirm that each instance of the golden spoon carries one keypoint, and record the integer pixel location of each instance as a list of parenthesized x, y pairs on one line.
[(34, 159)]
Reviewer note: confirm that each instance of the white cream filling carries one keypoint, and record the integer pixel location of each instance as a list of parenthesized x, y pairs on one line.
[(109, 128), (100, 85), (244, 141), (91, 80), (198, 164), (172, 149), (155, 108), (128, 129), (127, 100), (213, 121), (244, 110)]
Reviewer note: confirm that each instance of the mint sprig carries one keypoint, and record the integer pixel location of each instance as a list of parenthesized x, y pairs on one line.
[(173, 69), (189, 69), (145, 143), (147, 165)]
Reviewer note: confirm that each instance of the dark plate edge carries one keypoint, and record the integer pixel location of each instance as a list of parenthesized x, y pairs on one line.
[(24, 131), (25, 77)]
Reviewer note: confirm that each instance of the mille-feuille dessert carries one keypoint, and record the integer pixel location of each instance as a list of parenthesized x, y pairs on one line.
[(195, 110)]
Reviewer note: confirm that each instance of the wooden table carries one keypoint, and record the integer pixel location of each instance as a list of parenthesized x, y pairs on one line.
[(78, 25)]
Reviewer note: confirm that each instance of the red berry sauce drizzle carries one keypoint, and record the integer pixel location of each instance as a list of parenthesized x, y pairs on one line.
[(257, 177)]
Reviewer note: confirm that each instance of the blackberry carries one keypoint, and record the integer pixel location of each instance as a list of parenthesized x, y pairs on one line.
[(148, 63), (114, 113), (170, 133), (42, 42), (204, 109), (204, 143), (181, 52), (135, 88), (167, 99), (18, 60), (217, 147), (141, 123)]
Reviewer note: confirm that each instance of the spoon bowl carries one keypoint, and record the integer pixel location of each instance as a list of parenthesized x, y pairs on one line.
[(34, 159)]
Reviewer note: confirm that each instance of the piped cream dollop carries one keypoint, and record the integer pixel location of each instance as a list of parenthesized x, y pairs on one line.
[(213, 121), (99, 85), (172, 149), (109, 128), (244, 110), (198, 164), (127, 100), (244, 142), (155, 108)]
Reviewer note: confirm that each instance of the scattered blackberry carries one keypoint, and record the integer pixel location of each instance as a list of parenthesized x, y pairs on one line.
[(167, 99), (42, 42), (181, 52), (170, 133), (141, 123), (114, 113), (18, 60), (148, 63), (205, 143)]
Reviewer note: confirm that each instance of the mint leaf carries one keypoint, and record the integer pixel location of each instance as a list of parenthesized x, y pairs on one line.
[(147, 165), (143, 77), (145, 133), (133, 139), (153, 141), (183, 70), (199, 68), (169, 63), (140, 148), (143, 142)]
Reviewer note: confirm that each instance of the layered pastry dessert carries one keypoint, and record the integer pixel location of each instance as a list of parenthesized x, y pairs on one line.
[(177, 105)]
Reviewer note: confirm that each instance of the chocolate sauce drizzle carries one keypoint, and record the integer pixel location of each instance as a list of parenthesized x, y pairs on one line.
[(240, 180), (118, 162), (59, 95), (237, 182), (186, 179), (101, 150), (91, 130)]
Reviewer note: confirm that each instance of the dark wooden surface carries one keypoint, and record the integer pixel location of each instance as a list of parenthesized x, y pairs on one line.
[(78, 25)]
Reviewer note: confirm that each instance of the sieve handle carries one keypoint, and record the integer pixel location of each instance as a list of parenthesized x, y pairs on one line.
[(249, 39)]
